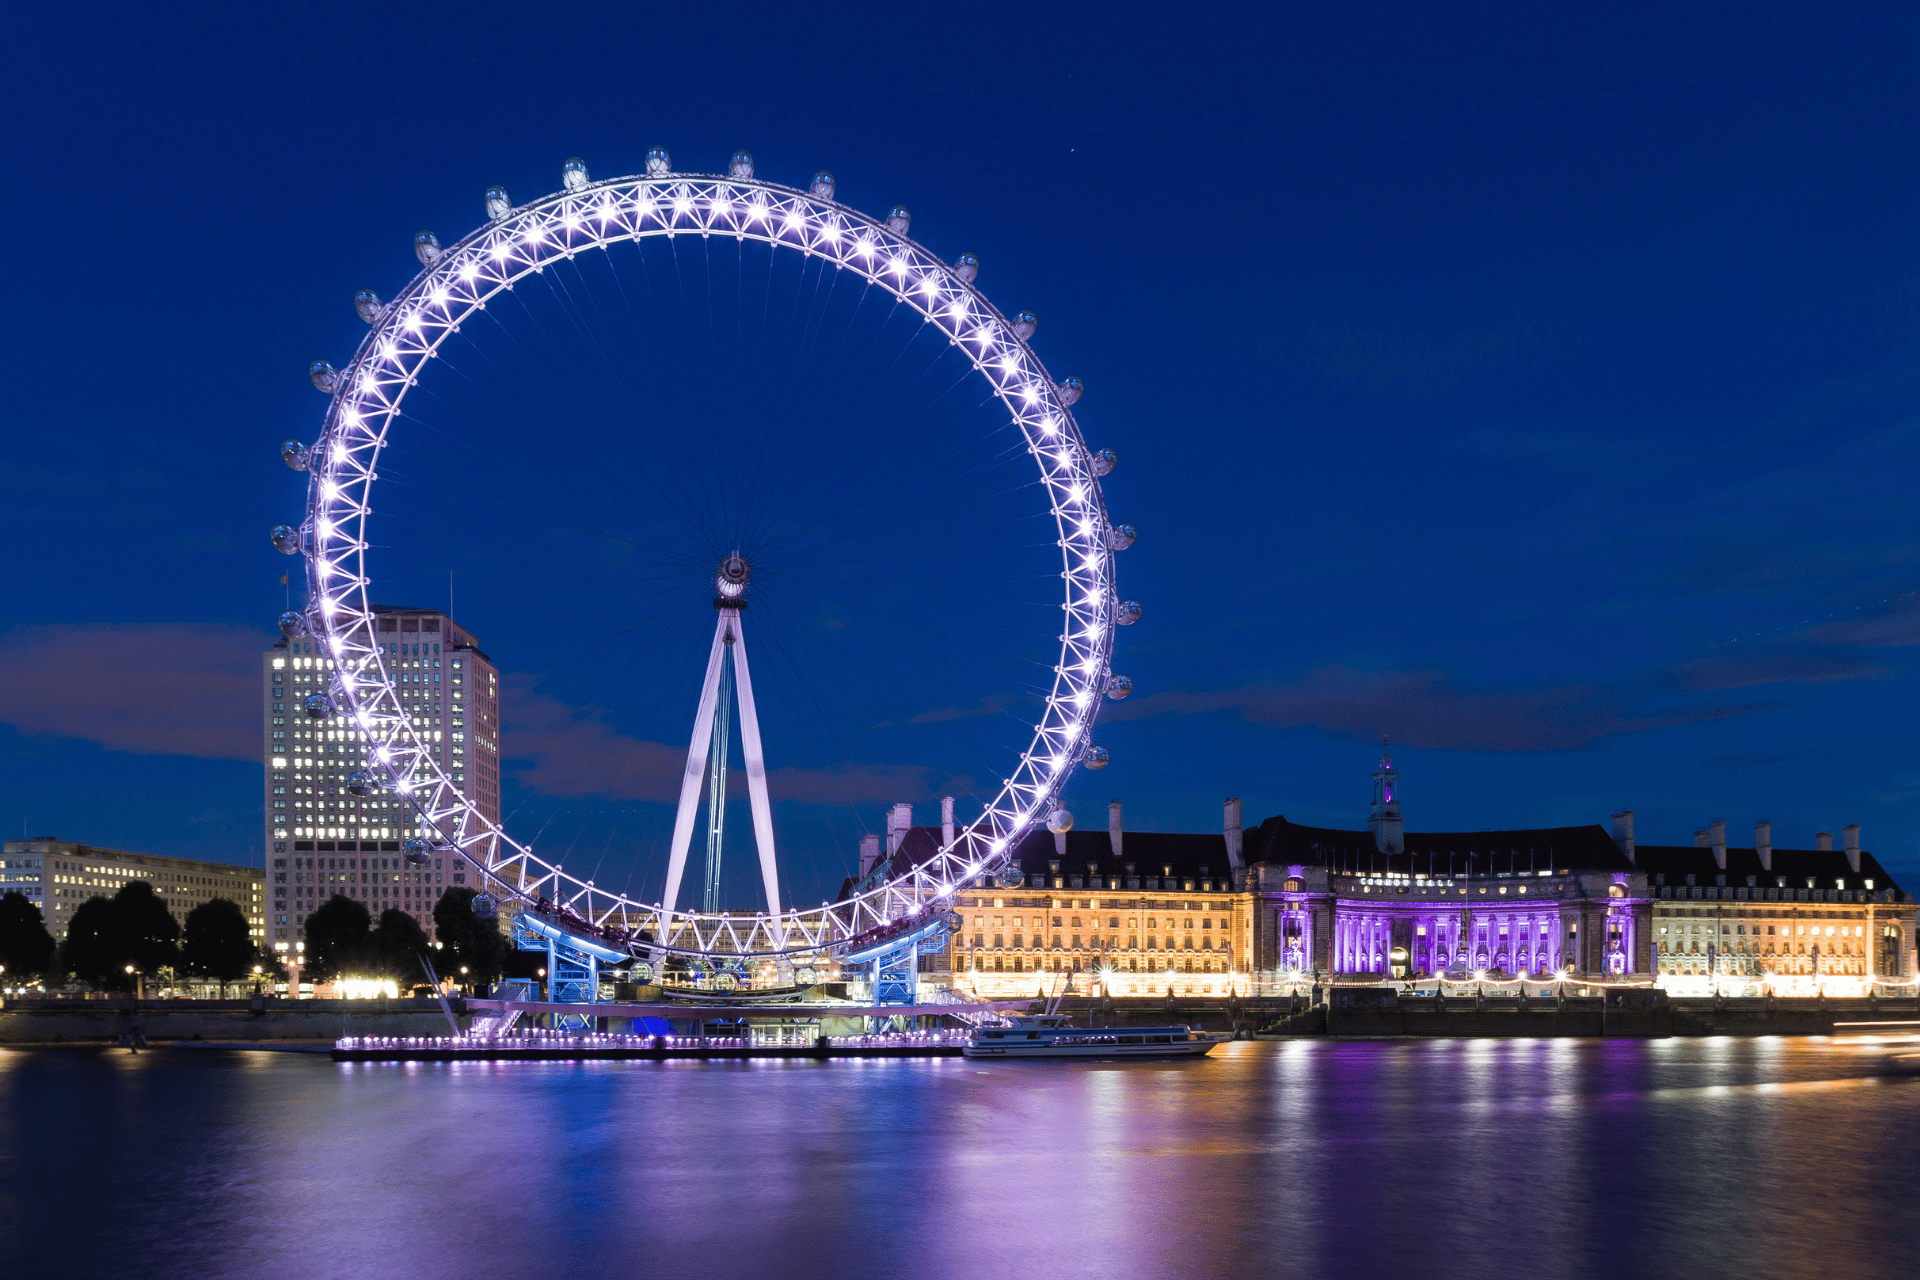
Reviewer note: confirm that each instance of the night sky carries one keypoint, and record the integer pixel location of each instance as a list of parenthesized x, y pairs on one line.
[(1535, 389)]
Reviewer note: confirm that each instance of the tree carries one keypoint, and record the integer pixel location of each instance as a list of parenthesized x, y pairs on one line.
[(466, 939), (25, 945), (106, 935), (337, 936), (393, 951), (218, 942)]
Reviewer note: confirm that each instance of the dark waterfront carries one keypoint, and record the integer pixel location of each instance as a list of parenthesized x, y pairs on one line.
[(1481, 1158)]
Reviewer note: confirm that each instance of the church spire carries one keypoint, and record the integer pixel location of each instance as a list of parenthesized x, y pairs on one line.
[(1383, 820)]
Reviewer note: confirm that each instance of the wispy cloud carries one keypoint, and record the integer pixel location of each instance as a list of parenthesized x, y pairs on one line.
[(1424, 708), (989, 706), (159, 689), (559, 750)]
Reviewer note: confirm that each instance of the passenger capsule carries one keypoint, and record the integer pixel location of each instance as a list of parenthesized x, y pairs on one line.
[(292, 624), (294, 454), (325, 377), (1103, 461), (659, 163), (967, 267), (822, 187), (498, 203), (1096, 758), (1127, 613), (573, 174), (741, 166), (1060, 822), (369, 306), (426, 247), (286, 539), (319, 706), (1121, 536), (1009, 877), (1070, 392), (417, 852), (1118, 687), (899, 218), (485, 906), (360, 783), (1024, 324)]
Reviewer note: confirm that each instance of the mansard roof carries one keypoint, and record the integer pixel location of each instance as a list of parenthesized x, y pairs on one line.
[(1585, 848), (1280, 842), (1792, 868), (1149, 851)]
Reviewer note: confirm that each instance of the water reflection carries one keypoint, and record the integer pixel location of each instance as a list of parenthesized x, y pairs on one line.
[(1436, 1158)]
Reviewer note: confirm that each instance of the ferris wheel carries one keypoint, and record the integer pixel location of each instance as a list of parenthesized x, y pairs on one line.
[(368, 413)]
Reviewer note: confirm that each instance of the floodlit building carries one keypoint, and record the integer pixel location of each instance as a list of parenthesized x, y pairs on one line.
[(324, 840), (58, 875), (1281, 905), (1789, 921)]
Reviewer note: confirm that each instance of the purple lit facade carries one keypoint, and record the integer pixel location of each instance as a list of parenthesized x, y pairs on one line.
[(1317, 921)]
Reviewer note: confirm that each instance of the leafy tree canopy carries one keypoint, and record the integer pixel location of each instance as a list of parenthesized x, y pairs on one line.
[(394, 949), (218, 941), (106, 935), (466, 939), (26, 948), (336, 937)]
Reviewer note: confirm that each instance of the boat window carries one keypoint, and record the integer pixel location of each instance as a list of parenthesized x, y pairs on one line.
[(1130, 1040), (1159, 1039)]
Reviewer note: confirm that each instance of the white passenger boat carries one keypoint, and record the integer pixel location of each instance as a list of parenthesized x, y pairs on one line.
[(1048, 1036)]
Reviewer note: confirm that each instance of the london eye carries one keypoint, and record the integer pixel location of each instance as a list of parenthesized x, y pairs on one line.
[(386, 401)]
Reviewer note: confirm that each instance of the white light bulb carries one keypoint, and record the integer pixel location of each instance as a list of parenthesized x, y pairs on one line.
[(470, 271)]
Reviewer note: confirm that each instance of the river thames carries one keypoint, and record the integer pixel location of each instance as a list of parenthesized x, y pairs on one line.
[(1481, 1158)]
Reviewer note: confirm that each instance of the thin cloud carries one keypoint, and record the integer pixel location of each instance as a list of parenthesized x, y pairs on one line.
[(163, 689), (989, 706), (559, 750), (1426, 709)]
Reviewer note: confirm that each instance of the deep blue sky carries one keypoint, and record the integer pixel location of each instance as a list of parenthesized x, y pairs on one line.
[(1538, 389)]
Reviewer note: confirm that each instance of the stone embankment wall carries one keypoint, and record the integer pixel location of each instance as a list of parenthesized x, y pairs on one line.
[(1637, 1014), (71, 1021)]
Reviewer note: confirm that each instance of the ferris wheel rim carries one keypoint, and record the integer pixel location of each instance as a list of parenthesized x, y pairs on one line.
[(455, 283)]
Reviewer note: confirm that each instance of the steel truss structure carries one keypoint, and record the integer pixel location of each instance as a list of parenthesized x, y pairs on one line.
[(454, 283)]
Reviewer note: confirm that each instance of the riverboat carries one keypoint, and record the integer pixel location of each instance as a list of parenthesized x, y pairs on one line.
[(1049, 1036)]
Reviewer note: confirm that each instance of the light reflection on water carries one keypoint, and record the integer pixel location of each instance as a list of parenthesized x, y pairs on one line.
[(1477, 1158)]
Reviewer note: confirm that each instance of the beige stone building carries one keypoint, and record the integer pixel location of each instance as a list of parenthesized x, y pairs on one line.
[(58, 875)]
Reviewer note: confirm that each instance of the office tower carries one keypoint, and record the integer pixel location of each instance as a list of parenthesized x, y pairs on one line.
[(324, 840)]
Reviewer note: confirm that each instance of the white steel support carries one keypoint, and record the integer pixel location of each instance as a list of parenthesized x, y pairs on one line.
[(728, 635), (696, 764), (756, 772)]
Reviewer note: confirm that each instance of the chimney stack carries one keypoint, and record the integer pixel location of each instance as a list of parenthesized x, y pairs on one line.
[(1823, 841), (1763, 844), (1702, 839), (946, 822), (899, 822), (1623, 832), (869, 853), (1850, 836), (1233, 831), (1114, 832), (1719, 830)]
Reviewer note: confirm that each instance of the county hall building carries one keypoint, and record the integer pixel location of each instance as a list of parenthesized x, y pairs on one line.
[(1279, 903)]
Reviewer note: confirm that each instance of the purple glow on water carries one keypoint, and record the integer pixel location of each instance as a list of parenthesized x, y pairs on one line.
[(1470, 1158)]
